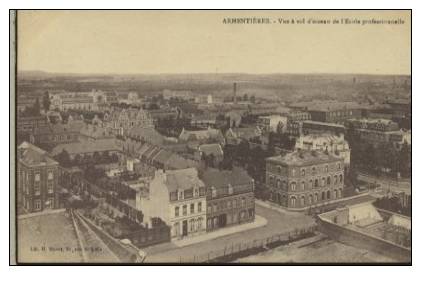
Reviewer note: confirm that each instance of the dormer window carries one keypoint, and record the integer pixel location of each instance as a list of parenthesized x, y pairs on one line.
[(213, 192), (230, 189)]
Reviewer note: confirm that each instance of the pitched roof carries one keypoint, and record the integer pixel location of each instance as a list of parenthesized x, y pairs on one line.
[(245, 133), (183, 179), (222, 178), (147, 133), (34, 156), (82, 147), (214, 149), (303, 158), (59, 128), (96, 132), (200, 135)]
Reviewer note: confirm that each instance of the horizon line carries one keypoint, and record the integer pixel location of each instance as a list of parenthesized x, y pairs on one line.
[(206, 73)]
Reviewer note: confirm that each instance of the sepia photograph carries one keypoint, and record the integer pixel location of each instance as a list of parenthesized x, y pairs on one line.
[(193, 137)]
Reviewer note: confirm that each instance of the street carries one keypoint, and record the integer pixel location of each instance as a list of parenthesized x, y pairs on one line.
[(277, 223)]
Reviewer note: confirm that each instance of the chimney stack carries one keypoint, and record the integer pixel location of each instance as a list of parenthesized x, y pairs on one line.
[(235, 92)]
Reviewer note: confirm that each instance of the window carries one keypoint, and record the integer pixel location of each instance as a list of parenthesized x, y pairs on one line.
[(279, 169), (313, 170), (180, 195), (340, 178), (328, 195), (284, 185), (184, 210), (209, 209), (316, 197), (188, 194), (303, 201), (229, 204), (293, 186), (213, 192), (199, 223), (199, 207), (50, 186), (323, 181), (271, 180), (37, 204), (316, 183), (243, 202), (292, 201), (310, 184), (234, 203), (339, 166), (176, 229), (50, 175), (196, 192), (50, 203), (278, 183), (192, 208), (209, 223), (303, 172), (37, 182), (327, 168), (192, 228), (323, 196), (177, 211), (303, 186), (215, 207), (293, 172), (335, 179), (230, 189), (328, 180), (310, 199)]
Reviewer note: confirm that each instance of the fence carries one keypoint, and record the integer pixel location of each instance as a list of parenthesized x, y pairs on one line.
[(239, 250)]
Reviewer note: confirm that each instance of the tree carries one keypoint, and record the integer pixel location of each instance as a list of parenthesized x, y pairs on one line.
[(63, 158), (405, 160), (36, 108), (96, 157), (46, 102)]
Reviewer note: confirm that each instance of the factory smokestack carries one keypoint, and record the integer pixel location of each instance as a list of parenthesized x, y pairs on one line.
[(235, 92)]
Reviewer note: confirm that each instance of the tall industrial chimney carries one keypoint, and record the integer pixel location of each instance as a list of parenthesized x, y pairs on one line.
[(235, 92)]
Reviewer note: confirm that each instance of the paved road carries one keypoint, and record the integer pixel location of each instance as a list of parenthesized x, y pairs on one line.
[(277, 223)]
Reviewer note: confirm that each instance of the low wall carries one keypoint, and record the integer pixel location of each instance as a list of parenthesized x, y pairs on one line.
[(363, 240)]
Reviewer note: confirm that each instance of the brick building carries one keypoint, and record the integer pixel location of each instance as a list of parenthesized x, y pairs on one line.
[(119, 121), (304, 178), (37, 179), (56, 133), (229, 198)]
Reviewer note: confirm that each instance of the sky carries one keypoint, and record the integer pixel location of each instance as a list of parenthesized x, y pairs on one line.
[(150, 42)]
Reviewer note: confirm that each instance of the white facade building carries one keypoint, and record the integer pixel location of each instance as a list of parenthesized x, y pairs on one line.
[(335, 145), (178, 197)]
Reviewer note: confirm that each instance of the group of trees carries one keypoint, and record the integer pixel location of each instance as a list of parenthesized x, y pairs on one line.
[(96, 158), (281, 140), (172, 127), (393, 204), (380, 159), (35, 109), (251, 159)]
